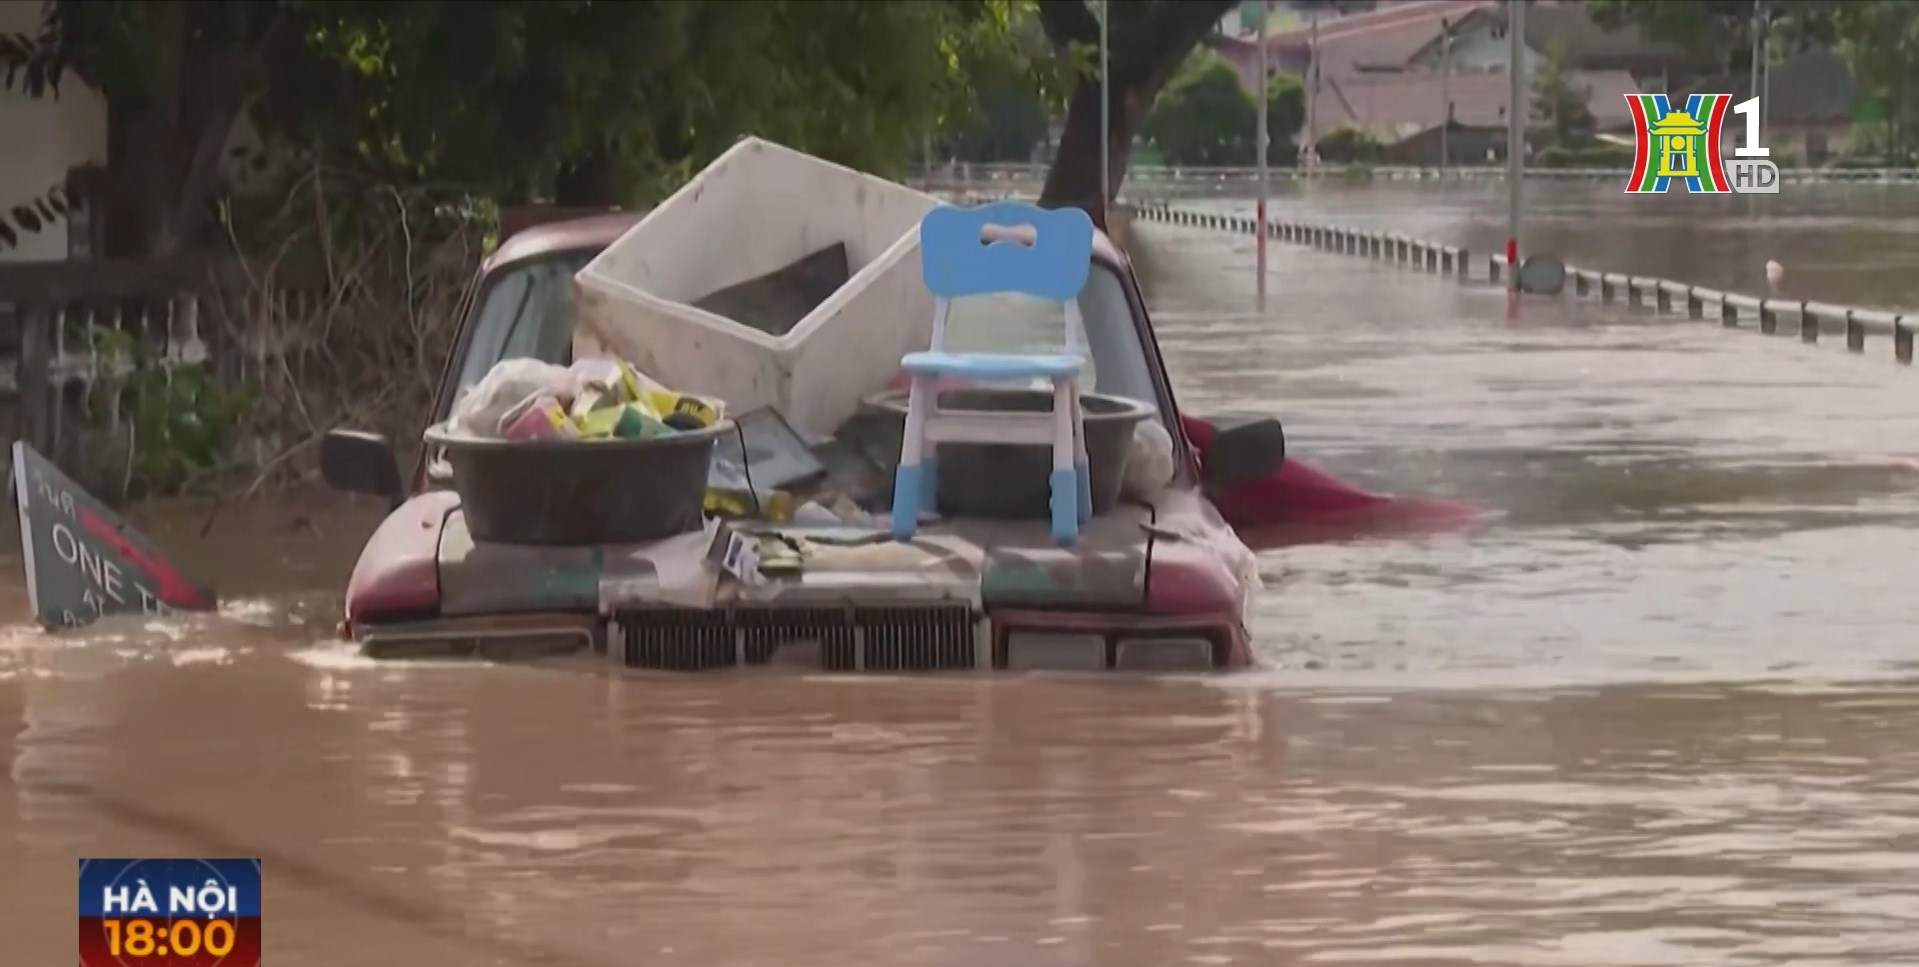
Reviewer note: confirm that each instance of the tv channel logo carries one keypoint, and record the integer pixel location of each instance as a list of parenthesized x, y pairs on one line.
[(169, 913), (1683, 146)]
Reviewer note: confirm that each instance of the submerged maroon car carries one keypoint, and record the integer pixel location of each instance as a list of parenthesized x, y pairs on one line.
[(1152, 585)]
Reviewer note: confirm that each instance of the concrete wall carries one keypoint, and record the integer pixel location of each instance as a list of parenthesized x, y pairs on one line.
[(43, 140)]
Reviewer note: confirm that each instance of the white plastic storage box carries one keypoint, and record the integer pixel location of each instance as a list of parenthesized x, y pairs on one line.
[(756, 209)]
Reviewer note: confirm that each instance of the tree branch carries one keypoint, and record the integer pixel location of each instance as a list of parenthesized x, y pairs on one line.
[(33, 65), (1068, 22)]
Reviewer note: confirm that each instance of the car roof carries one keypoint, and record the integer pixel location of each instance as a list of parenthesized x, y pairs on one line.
[(598, 231), (591, 232)]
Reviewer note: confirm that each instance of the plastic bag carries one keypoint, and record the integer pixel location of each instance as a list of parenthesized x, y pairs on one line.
[(1149, 465), (612, 381), (510, 383)]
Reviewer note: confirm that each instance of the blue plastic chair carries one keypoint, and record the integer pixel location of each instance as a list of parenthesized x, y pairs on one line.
[(1001, 247)]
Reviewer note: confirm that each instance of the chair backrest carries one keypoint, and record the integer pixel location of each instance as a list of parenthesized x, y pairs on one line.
[(977, 251)]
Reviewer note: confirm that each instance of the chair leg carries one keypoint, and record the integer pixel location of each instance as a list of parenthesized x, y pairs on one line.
[(909, 479), (929, 490), (1064, 484), (1082, 467)]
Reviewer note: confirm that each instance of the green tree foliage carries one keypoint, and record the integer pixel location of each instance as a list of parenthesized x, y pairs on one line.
[(1720, 32), (1204, 117), (1350, 145), (1880, 40), (1285, 118), (614, 102), (591, 101), (1010, 125), (1560, 102), (1018, 87)]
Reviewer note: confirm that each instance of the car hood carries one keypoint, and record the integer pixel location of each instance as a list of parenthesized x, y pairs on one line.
[(990, 563)]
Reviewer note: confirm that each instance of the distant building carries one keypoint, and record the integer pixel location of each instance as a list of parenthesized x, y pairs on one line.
[(1808, 108), (1406, 111), (1381, 39), (1407, 71), (1479, 42)]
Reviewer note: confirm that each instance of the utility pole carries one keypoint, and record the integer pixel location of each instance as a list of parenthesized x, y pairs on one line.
[(1259, 140), (1309, 145), (1757, 39), (1765, 74), (1105, 118), (1516, 116), (1445, 93)]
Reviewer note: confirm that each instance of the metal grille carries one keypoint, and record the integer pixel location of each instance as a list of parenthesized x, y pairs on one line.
[(849, 639), (680, 641)]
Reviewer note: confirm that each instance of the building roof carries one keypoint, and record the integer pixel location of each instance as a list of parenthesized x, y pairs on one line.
[(1589, 45), (1284, 17), (1383, 37), (1810, 87), (1395, 106)]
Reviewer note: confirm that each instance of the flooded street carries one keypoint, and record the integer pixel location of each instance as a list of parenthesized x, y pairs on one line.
[(1851, 244), (1657, 711)]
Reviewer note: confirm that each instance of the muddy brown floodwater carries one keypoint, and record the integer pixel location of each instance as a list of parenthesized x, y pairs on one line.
[(1659, 712)]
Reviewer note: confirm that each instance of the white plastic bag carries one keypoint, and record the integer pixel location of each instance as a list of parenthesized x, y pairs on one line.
[(508, 384), (1149, 465)]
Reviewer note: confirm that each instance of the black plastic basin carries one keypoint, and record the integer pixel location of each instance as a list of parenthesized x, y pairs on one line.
[(580, 492), (1010, 481)]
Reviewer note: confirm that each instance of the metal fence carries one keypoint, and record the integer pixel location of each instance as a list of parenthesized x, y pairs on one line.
[(54, 316), (966, 175), (1813, 319)]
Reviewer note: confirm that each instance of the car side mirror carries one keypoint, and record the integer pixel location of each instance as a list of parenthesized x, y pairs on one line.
[(1242, 449), (359, 462)]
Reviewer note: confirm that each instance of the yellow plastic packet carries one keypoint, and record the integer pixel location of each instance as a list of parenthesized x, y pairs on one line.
[(633, 386), (668, 403), (730, 502), (626, 421)]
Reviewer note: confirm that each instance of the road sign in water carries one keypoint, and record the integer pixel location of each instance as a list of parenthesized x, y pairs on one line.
[(83, 563)]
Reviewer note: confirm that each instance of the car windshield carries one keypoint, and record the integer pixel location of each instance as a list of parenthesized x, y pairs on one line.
[(526, 312), (1014, 323)]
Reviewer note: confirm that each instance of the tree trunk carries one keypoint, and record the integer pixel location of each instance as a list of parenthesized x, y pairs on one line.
[(1147, 41), (140, 144), (1074, 178), (167, 137)]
